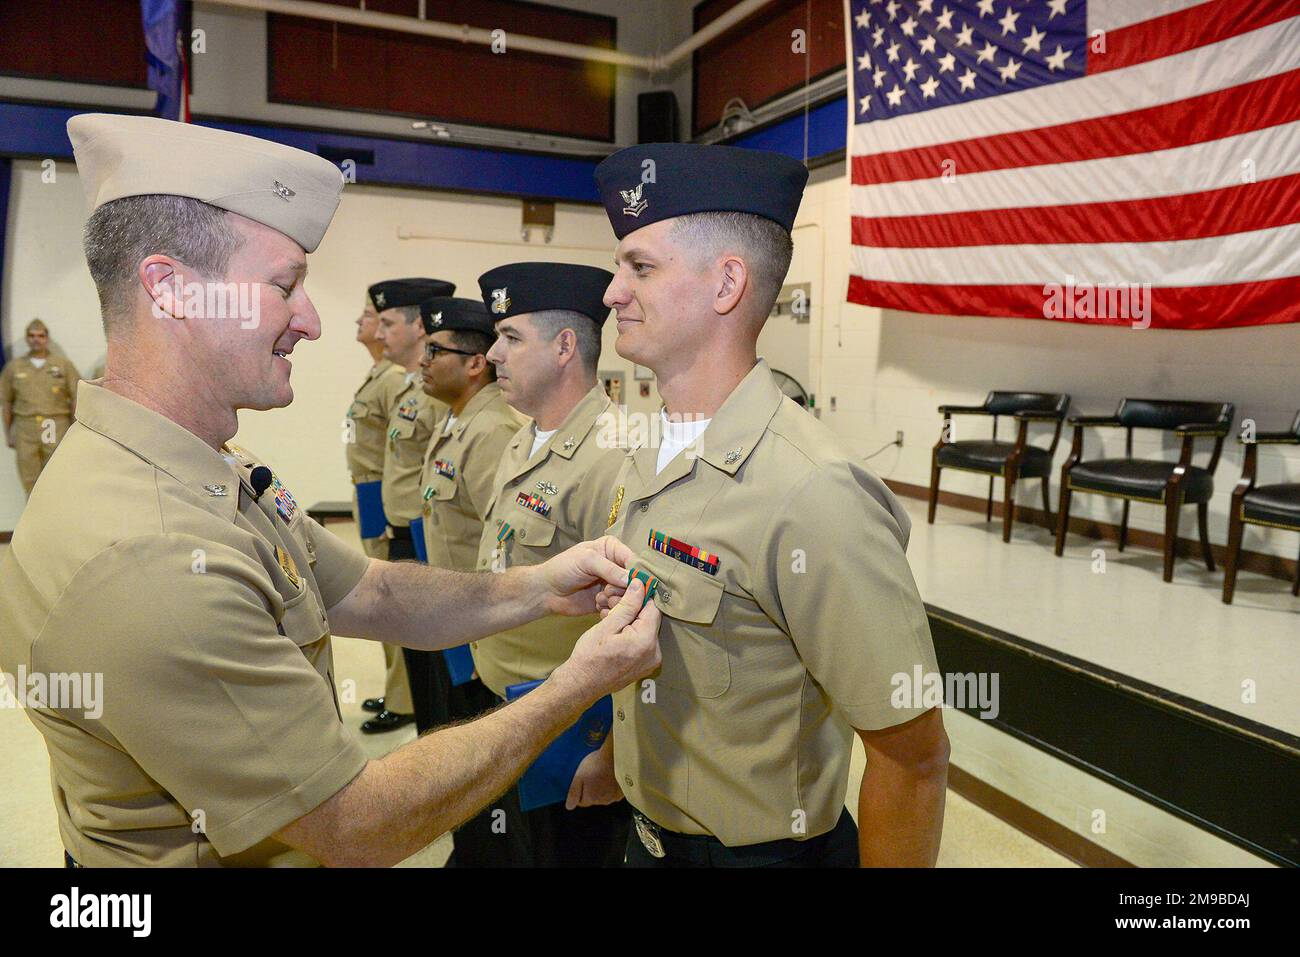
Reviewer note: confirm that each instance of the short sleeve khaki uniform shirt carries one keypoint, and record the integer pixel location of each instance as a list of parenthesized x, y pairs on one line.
[(788, 608), (144, 557)]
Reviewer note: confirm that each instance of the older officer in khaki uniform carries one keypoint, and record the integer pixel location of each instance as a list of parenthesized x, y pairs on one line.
[(251, 763), (367, 423), (789, 608), (38, 392), (458, 470), (553, 489)]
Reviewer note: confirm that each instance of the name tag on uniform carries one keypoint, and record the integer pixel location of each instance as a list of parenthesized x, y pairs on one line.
[(685, 553), (287, 565)]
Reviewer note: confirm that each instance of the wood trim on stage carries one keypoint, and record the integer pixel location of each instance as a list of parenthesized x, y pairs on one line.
[(1274, 566), (1109, 725), (1025, 819)]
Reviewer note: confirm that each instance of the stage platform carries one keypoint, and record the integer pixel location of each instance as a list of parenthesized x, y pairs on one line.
[(1158, 689)]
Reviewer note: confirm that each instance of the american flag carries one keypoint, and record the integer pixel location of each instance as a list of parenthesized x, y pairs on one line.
[(1008, 155)]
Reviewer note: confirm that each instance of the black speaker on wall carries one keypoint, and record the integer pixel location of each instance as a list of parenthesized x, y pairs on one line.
[(656, 117)]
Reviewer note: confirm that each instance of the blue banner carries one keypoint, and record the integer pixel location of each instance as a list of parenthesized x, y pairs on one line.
[(164, 52), (6, 173)]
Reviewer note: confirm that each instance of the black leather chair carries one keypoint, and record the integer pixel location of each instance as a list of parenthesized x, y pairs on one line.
[(1171, 484), (1012, 461), (1277, 506)]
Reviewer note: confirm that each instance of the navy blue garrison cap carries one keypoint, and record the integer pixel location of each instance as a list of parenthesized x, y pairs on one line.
[(392, 293), (531, 287), (444, 313), (689, 178)]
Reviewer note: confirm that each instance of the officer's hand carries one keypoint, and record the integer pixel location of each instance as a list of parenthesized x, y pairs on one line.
[(573, 579), (621, 648), (594, 781), (9, 439), (608, 597)]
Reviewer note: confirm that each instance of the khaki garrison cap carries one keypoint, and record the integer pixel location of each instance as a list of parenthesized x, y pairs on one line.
[(288, 189)]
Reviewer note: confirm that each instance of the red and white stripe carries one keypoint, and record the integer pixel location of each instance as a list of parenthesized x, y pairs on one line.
[(1175, 162)]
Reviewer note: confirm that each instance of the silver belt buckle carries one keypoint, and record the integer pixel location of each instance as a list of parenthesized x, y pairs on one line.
[(649, 836)]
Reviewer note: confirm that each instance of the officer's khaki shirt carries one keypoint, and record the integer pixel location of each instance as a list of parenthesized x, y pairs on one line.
[(457, 477), (143, 557), (47, 391), (793, 641), (572, 475), (410, 429), (369, 414)]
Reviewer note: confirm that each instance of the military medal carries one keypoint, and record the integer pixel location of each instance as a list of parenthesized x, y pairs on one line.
[(686, 554), (284, 502), (504, 534), (444, 468), (613, 511), (408, 410), (534, 503), (645, 578)]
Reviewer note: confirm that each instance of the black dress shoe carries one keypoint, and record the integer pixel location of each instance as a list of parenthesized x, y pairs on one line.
[(373, 705), (386, 721)]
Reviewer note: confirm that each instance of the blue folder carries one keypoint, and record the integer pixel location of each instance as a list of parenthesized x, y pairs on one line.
[(460, 660), (370, 509), (548, 779), (460, 663), (417, 539)]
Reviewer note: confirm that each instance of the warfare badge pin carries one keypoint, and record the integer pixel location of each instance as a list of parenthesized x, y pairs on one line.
[(635, 204)]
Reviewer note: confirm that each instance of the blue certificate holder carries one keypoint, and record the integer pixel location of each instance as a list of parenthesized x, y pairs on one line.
[(460, 664), (548, 779), (417, 539), (460, 660), (370, 509)]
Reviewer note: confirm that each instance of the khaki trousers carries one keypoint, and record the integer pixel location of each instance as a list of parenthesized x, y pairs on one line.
[(35, 439)]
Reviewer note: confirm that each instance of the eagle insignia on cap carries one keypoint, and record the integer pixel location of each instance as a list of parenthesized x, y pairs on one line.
[(284, 192), (436, 321), (379, 299), (500, 301), (635, 204)]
